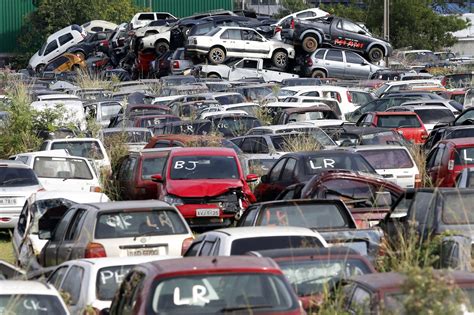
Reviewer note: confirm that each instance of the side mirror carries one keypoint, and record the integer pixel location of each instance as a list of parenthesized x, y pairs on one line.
[(157, 178), (44, 235), (251, 178), (264, 178)]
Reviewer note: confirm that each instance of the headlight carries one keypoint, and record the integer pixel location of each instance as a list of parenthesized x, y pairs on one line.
[(173, 200)]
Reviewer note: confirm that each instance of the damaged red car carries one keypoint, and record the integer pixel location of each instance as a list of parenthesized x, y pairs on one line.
[(207, 185)]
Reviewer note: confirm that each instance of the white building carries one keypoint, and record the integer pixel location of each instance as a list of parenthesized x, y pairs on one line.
[(465, 44)]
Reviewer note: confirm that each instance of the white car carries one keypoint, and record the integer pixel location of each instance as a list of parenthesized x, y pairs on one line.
[(142, 19), (40, 209), (57, 170), (99, 26), (393, 162), (71, 106), (240, 42), (93, 282), (55, 45), (241, 240), (89, 148), (30, 297), (17, 182), (160, 42)]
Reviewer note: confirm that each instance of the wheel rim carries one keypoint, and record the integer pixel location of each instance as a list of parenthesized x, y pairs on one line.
[(376, 54), (162, 48), (280, 59), (217, 55), (318, 74), (310, 44)]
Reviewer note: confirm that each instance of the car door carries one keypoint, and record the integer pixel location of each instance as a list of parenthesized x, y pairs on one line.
[(69, 247), (255, 45), (65, 41), (433, 163), (51, 51), (245, 69), (72, 285), (354, 36), (48, 256), (270, 187), (334, 63), (356, 67), (233, 43)]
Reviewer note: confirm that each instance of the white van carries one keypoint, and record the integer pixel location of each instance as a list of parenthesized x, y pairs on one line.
[(56, 45), (144, 18)]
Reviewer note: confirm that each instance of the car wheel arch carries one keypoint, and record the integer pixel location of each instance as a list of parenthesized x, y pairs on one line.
[(377, 45), (313, 33)]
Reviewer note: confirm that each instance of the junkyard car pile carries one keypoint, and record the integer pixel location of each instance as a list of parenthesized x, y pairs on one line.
[(301, 181)]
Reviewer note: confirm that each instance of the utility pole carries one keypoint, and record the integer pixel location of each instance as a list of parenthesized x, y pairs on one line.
[(386, 23), (150, 5)]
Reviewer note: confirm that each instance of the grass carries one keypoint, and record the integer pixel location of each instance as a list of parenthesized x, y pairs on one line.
[(6, 249)]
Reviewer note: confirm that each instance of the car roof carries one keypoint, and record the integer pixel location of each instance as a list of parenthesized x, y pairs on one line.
[(257, 231), (299, 252), (459, 141), (419, 107), (117, 261), (58, 152), (376, 147), (395, 113), (73, 140), (13, 163), (319, 153), (126, 129), (208, 264), (131, 204), (202, 151), (319, 108), (26, 287), (75, 196)]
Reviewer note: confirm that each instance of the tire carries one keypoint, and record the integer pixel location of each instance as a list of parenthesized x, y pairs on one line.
[(310, 44), (318, 74), (216, 55), (375, 54), (213, 76), (39, 68), (280, 59), (161, 47)]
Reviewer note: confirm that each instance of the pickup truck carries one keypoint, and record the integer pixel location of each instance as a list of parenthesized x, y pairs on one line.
[(331, 218), (246, 68), (431, 212), (333, 31)]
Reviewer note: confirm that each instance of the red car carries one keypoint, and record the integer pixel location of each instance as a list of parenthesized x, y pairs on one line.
[(206, 285), (406, 123), (447, 159), (207, 185)]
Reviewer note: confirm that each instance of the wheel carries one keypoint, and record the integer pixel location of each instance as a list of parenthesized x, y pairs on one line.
[(216, 55), (375, 54), (161, 47), (39, 68), (75, 68), (213, 76), (310, 44), (280, 59), (80, 54), (318, 74)]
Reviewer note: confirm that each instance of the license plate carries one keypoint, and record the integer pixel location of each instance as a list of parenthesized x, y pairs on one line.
[(143, 252), (207, 212), (7, 201)]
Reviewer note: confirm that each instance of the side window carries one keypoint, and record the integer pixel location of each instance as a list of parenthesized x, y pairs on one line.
[(130, 168), (206, 248), (58, 233), (247, 145), (261, 146), (334, 55), (72, 284), (44, 145), (63, 39), (22, 220), (51, 47), (215, 251), (360, 301), (130, 297), (431, 157), (274, 174), (439, 155), (75, 226), (250, 64), (231, 34), (312, 93), (353, 58), (289, 169), (193, 249), (320, 54), (57, 277), (248, 218)]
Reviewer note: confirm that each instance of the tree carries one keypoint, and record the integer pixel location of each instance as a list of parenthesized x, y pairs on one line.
[(291, 6)]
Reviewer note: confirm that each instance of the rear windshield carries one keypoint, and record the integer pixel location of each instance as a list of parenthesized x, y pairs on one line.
[(461, 133), (137, 223), (235, 126), (60, 167), (108, 280), (109, 110), (464, 156), (17, 177), (260, 166), (457, 208), (432, 116), (388, 159), (353, 162), (303, 215), (87, 149), (152, 166), (245, 245), (398, 121), (31, 304), (230, 99), (204, 167), (129, 136)]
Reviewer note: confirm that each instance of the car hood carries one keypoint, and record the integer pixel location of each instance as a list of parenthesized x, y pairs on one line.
[(201, 187)]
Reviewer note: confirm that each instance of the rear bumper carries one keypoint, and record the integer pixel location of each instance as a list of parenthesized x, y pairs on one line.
[(9, 218), (190, 213)]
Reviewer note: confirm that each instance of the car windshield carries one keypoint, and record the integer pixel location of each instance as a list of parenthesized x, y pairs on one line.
[(297, 117), (204, 167), (464, 156), (108, 280), (31, 304), (309, 277), (190, 128), (388, 159), (41, 51), (387, 137), (87, 149), (355, 162), (153, 165), (235, 126), (17, 177), (108, 111), (398, 121), (319, 135), (430, 116), (286, 93), (212, 293), (245, 245), (460, 133), (62, 167), (129, 136), (136, 223), (303, 215), (230, 99), (456, 208)]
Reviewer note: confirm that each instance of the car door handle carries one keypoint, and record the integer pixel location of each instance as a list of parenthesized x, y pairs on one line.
[(348, 66), (327, 64), (247, 42)]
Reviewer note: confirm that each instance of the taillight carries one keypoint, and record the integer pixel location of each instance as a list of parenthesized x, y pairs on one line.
[(176, 64), (95, 250), (444, 81), (292, 24), (338, 97), (349, 96), (95, 189), (186, 243), (417, 181), (309, 62), (451, 165)]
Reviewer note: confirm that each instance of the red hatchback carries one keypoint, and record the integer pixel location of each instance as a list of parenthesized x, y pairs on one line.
[(207, 185), (447, 159), (206, 285), (406, 123)]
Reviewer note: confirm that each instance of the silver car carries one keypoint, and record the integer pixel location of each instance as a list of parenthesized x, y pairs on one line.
[(179, 62), (337, 63)]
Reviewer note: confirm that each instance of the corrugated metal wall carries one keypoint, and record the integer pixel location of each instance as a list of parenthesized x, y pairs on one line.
[(182, 8), (12, 14)]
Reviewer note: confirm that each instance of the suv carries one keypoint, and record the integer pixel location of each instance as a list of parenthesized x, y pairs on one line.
[(338, 63), (207, 185)]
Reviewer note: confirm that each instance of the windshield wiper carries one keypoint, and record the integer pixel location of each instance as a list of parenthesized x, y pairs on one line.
[(242, 308)]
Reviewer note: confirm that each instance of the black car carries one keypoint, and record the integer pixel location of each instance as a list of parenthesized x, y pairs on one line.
[(90, 44), (447, 132), (351, 135), (299, 167)]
